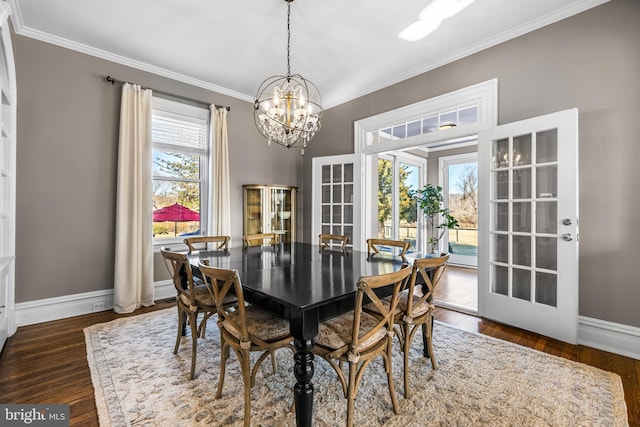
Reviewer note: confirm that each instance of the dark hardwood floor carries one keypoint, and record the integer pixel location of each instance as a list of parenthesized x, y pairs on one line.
[(46, 363)]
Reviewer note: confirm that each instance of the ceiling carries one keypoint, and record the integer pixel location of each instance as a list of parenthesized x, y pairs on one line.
[(347, 48)]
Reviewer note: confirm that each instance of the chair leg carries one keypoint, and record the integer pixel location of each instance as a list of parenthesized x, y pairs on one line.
[(193, 319), (429, 329), (388, 367), (224, 355), (406, 347), (246, 378), (180, 326), (351, 393), (273, 362)]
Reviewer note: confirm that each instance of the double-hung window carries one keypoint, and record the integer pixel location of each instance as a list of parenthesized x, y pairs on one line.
[(181, 162)]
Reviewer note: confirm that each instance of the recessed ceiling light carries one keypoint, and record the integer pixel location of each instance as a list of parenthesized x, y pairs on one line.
[(430, 18)]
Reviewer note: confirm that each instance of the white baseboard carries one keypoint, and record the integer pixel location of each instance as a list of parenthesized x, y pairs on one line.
[(46, 310), (608, 336)]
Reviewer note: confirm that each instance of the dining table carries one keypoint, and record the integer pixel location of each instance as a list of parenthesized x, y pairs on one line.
[(304, 284)]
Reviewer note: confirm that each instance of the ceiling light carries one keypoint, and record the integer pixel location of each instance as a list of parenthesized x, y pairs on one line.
[(287, 109), (430, 18)]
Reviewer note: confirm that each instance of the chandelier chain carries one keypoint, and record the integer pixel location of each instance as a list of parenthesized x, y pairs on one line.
[(288, 38)]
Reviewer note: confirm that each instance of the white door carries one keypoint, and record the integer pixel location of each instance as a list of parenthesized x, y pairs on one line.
[(528, 221), (337, 188), (459, 181)]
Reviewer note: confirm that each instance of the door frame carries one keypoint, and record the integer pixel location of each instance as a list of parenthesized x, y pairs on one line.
[(443, 180)]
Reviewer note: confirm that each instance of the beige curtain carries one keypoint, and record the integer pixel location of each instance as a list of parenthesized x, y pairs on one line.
[(133, 277), (220, 201)]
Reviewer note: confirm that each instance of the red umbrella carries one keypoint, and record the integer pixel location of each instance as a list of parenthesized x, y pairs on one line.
[(176, 213)]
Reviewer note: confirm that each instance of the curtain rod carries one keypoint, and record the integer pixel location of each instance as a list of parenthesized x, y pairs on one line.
[(114, 81)]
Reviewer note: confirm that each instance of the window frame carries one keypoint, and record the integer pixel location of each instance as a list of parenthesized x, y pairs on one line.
[(176, 110)]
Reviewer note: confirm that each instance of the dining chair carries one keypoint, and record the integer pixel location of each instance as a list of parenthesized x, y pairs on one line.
[(357, 337), (244, 328), (201, 243), (374, 245), (415, 309), (326, 240), (259, 239), (191, 300)]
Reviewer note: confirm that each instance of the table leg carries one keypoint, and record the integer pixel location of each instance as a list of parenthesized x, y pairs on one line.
[(304, 328), (303, 390)]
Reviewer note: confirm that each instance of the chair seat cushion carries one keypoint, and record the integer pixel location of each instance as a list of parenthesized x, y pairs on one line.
[(418, 309), (260, 323), (204, 299), (337, 332)]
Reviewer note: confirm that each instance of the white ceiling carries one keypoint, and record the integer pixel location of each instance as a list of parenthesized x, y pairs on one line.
[(348, 48)]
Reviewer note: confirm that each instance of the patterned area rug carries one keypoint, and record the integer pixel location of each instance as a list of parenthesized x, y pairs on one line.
[(480, 381)]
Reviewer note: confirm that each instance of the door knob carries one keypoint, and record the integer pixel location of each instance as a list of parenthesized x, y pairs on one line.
[(567, 237), (566, 221)]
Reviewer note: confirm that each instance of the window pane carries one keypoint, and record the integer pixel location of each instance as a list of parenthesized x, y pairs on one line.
[(337, 173), (348, 172), (175, 165), (348, 193), (547, 146), (547, 253), (181, 218), (501, 245), (326, 174), (500, 153), (522, 217), (414, 128), (546, 217), (468, 115), (399, 131), (449, 118), (326, 194), (522, 183), (429, 124), (546, 289), (521, 287), (522, 250), (547, 181), (500, 282), (326, 214), (521, 150), (337, 194), (501, 216), (501, 184)]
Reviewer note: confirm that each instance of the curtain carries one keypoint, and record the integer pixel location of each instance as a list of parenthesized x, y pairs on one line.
[(220, 201), (133, 276)]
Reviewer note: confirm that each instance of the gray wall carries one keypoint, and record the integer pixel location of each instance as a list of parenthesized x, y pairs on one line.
[(590, 61), (66, 166)]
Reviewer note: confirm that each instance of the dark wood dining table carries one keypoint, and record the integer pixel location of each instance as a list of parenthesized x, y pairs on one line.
[(305, 285)]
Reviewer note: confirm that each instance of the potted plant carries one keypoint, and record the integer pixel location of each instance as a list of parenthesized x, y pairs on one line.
[(439, 219)]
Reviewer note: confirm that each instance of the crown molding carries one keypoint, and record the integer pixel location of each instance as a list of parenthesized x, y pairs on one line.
[(551, 18), (20, 29), (543, 21)]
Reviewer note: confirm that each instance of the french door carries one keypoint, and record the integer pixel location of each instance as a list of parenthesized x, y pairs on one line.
[(528, 221), (337, 189)]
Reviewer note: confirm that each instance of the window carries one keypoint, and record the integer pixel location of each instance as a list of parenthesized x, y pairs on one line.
[(180, 138)]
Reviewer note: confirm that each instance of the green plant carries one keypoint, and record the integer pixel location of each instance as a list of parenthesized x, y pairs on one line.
[(439, 219)]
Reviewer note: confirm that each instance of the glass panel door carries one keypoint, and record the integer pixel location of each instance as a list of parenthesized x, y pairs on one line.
[(530, 172)]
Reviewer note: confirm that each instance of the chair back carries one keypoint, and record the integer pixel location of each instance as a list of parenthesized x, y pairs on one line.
[(366, 287), (258, 239), (180, 270), (226, 283), (201, 243), (325, 240), (431, 270), (373, 246)]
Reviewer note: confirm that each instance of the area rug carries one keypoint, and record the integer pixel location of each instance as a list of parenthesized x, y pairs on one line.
[(138, 381)]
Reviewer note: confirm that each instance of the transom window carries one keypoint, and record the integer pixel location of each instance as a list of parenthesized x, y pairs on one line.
[(180, 137), (439, 121)]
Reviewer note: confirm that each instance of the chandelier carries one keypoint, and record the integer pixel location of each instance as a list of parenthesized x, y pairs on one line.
[(287, 109)]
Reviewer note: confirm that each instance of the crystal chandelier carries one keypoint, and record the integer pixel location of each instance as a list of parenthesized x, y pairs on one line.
[(287, 109)]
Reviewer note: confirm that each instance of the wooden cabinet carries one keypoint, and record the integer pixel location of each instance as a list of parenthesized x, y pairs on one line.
[(270, 209), (7, 177)]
